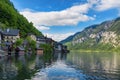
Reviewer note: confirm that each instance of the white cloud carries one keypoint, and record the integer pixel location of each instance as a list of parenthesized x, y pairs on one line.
[(102, 5), (58, 37), (69, 16), (42, 28)]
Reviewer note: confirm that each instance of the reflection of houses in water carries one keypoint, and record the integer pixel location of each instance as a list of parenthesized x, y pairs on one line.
[(8, 70), (39, 63), (22, 60), (59, 56)]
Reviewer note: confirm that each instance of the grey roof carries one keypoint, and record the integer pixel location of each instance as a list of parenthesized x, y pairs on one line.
[(29, 34), (11, 32), (40, 38)]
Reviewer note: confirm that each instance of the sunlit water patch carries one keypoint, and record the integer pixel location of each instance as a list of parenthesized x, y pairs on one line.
[(59, 71)]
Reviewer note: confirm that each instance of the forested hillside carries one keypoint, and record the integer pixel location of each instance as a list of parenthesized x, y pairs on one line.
[(10, 18)]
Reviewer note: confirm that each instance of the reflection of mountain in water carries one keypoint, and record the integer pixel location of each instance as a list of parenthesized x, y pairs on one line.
[(105, 65)]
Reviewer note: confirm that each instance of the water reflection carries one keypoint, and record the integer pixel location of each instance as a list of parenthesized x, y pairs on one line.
[(17, 67), (7, 68), (104, 66), (72, 66), (59, 70)]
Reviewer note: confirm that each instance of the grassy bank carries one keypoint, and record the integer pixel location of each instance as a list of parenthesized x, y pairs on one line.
[(94, 51)]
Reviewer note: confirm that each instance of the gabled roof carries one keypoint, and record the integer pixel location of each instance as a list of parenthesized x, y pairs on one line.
[(41, 37), (10, 32), (29, 34)]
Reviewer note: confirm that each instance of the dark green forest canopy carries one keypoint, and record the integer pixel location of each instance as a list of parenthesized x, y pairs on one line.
[(11, 18)]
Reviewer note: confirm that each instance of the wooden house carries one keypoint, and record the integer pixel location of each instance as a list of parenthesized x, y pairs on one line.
[(39, 51)]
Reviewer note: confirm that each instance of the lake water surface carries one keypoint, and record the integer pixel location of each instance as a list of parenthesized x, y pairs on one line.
[(74, 66)]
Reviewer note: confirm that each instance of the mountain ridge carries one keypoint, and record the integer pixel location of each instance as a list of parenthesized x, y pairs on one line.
[(98, 36)]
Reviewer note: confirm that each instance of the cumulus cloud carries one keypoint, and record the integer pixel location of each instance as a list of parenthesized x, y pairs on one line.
[(58, 37), (102, 5), (69, 16)]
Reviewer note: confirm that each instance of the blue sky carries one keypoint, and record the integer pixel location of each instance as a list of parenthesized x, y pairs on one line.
[(59, 19)]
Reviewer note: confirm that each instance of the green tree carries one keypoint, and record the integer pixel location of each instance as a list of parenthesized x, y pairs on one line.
[(31, 44), (47, 51), (19, 42)]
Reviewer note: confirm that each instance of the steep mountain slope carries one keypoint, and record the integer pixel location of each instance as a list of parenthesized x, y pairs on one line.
[(70, 38), (10, 18), (104, 36)]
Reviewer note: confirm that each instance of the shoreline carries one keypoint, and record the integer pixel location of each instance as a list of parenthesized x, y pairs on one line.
[(96, 51)]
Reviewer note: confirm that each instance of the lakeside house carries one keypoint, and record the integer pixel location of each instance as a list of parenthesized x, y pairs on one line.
[(44, 40), (59, 47), (39, 51), (50, 41), (40, 40), (10, 35), (32, 36)]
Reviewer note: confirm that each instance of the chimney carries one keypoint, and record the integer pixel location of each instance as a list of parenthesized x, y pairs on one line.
[(8, 30)]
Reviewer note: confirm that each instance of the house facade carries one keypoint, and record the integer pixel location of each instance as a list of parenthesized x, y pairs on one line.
[(58, 46), (10, 35), (41, 40), (44, 40), (32, 36)]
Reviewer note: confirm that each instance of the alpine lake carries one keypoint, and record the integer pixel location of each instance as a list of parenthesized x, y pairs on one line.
[(63, 66)]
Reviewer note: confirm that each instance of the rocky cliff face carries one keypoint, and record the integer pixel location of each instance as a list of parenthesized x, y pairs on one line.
[(106, 33)]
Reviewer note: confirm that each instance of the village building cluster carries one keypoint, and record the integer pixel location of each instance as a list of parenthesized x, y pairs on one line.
[(10, 36)]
